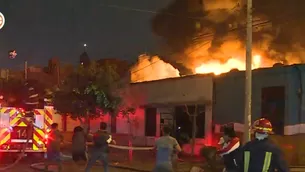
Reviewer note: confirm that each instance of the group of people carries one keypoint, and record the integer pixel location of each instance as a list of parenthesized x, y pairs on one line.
[(260, 154), (167, 148), (100, 149)]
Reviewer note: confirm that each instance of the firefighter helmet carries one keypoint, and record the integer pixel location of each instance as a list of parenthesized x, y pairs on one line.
[(263, 126)]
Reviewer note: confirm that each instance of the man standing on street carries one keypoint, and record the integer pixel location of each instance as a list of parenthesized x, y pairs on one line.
[(55, 138), (101, 141), (166, 146)]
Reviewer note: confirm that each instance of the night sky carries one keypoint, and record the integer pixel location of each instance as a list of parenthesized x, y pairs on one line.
[(41, 29)]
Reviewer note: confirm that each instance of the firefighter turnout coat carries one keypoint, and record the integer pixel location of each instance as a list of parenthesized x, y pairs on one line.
[(262, 156)]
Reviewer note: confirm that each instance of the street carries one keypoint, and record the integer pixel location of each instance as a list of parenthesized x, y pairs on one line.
[(25, 167), (25, 163)]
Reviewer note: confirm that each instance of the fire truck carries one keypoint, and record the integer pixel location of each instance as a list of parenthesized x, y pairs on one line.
[(18, 128)]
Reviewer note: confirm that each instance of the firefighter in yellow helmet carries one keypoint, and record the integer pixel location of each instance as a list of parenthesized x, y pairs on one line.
[(261, 154)]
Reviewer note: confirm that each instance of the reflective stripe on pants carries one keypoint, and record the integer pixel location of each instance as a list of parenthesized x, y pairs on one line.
[(267, 161)]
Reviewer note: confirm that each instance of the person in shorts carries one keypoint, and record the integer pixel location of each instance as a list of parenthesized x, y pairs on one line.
[(79, 146), (55, 138)]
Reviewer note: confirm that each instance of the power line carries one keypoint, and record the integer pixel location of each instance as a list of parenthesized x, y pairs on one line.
[(235, 8), (148, 11)]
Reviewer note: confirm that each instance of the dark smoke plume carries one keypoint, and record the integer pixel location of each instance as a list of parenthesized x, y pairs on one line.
[(215, 29)]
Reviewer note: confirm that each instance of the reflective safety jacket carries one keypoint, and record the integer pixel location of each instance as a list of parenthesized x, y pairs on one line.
[(262, 156), (230, 152)]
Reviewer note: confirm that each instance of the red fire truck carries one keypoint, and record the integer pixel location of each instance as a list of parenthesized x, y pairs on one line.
[(18, 129)]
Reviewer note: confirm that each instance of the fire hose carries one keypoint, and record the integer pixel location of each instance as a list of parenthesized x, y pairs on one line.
[(116, 147)]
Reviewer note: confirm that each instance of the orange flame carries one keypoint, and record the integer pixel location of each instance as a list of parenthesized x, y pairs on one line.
[(217, 67), (152, 68)]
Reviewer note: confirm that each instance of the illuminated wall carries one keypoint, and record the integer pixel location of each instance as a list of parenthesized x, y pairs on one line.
[(230, 96)]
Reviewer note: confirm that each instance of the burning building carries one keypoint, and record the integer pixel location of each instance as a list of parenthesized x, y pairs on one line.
[(208, 38), (219, 99)]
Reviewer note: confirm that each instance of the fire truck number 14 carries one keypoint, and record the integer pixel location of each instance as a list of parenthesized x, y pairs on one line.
[(21, 133)]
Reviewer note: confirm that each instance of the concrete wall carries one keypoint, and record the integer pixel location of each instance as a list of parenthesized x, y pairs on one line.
[(230, 95), (188, 89), (164, 95)]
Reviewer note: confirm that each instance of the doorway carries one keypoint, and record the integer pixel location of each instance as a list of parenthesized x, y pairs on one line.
[(273, 107)]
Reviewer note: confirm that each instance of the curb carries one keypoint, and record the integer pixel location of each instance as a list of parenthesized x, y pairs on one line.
[(37, 167)]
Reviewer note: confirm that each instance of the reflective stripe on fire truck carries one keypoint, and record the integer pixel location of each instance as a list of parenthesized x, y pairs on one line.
[(15, 117), (49, 111), (38, 134), (5, 135)]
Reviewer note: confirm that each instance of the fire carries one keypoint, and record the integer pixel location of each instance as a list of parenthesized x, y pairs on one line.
[(152, 68), (216, 67)]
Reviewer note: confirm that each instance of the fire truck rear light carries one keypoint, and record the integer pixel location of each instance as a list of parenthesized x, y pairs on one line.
[(4, 147), (40, 144)]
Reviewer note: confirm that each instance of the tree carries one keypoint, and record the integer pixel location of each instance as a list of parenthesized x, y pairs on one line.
[(11, 90), (90, 92), (17, 93)]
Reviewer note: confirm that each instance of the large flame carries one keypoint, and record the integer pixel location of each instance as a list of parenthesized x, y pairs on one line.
[(217, 67), (152, 68)]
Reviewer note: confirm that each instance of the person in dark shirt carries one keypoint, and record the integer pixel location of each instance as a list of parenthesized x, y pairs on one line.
[(101, 141), (55, 138), (261, 154), (79, 146)]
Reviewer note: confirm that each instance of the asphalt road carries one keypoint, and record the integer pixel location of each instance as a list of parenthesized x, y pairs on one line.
[(24, 165)]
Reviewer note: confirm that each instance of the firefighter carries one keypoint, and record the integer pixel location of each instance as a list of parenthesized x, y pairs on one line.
[(261, 154), (230, 149)]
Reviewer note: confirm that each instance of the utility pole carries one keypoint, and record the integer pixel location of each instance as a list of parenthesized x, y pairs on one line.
[(26, 70), (248, 78), (58, 74)]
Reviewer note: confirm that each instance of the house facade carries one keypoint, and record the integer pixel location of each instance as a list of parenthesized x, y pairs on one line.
[(277, 94)]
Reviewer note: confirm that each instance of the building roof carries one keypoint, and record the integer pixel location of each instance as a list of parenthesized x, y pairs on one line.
[(277, 68), (175, 78)]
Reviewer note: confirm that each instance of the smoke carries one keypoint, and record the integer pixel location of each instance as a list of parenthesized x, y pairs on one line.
[(277, 32), (152, 68), (219, 10)]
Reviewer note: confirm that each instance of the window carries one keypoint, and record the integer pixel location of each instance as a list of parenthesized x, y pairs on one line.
[(150, 121)]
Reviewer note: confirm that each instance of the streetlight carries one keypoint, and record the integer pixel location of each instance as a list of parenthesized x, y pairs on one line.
[(85, 47)]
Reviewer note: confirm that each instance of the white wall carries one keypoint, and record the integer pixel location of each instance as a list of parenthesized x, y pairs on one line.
[(137, 123), (57, 118), (194, 88)]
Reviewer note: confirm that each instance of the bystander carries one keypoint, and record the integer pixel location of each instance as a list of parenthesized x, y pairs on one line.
[(100, 150), (167, 147), (53, 147)]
